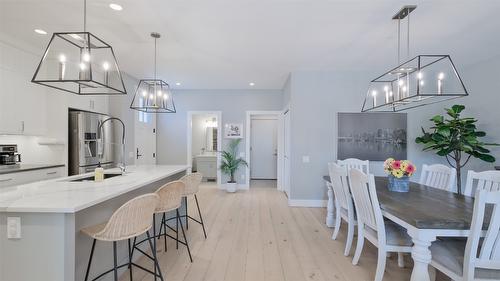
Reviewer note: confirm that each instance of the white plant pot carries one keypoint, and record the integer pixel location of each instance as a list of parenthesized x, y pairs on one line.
[(231, 187)]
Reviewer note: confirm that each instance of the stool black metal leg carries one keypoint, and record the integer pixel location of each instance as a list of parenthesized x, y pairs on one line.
[(155, 258), (154, 240), (115, 268), (201, 218), (130, 259), (184, 234), (165, 230), (187, 216), (90, 260)]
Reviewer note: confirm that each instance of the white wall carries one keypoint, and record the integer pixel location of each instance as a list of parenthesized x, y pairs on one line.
[(317, 97), (172, 128)]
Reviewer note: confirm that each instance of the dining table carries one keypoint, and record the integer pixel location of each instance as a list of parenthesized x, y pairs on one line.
[(426, 213)]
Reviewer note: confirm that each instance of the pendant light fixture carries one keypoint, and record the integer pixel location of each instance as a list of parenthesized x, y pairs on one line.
[(153, 95), (80, 63), (422, 80)]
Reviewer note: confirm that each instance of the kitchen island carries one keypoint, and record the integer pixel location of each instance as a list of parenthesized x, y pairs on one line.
[(52, 213)]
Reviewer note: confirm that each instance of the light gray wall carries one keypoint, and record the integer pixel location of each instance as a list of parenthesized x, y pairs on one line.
[(171, 139), (317, 97)]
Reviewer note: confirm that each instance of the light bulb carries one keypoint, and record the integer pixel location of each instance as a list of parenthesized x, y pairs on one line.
[(420, 75), (404, 88), (105, 65), (386, 88), (83, 66), (144, 93), (422, 82), (62, 58), (165, 97), (159, 93), (374, 93), (441, 76), (390, 93), (401, 82), (151, 96), (86, 57)]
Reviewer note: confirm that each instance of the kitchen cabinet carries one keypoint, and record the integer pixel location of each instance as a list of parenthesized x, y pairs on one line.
[(25, 177), (22, 103)]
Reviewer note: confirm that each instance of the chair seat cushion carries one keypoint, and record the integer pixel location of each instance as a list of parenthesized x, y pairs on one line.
[(395, 234), (449, 254)]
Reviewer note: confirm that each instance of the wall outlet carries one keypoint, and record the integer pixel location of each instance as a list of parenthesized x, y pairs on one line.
[(13, 228), (306, 159)]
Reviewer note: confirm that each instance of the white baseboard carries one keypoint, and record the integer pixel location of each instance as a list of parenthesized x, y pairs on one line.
[(307, 203)]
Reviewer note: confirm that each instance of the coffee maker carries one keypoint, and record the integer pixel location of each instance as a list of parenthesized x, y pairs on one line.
[(9, 155)]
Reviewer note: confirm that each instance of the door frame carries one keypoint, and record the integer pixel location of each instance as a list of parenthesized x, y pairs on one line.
[(279, 118), (189, 126)]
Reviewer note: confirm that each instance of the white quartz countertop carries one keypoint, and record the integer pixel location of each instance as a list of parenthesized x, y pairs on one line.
[(63, 196)]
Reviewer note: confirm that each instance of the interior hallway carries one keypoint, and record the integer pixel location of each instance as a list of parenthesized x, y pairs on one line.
[(253, 235)]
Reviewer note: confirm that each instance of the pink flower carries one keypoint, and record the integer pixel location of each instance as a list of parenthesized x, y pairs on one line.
[(396, 165), (410, 169)]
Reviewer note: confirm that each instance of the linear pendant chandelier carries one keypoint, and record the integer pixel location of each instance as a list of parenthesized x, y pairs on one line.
[(422, 80), (153, 95), (80, 63)]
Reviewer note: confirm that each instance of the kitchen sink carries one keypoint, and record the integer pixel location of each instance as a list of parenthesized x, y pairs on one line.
[(91, 178)]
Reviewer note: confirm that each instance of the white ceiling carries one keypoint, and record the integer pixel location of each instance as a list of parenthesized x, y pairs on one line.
[(225, 44)]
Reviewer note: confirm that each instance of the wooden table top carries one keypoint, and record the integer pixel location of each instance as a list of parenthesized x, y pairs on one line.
[(425, 207)]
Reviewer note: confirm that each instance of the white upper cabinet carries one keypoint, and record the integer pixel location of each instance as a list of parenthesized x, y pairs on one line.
[(22, 103)]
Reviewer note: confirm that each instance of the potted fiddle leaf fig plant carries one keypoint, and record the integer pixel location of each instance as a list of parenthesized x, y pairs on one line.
[(457, 139), (230, 164)]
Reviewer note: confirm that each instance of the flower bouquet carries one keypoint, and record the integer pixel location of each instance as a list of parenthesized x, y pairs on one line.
[(399, 172)]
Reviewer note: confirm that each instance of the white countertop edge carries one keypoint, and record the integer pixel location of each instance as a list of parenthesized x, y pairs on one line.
[(9, 209)]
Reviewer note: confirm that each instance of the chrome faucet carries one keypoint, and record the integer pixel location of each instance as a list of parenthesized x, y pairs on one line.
[(121, 165)]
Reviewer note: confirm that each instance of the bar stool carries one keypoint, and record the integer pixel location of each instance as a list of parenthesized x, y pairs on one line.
[(171, 199), (192, 182), (129, 221)]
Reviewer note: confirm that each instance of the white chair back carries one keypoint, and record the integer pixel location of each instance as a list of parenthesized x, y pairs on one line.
[(438, 176), (338, 179), (353, 163), (489, 254), (488, 180), (365, 198)]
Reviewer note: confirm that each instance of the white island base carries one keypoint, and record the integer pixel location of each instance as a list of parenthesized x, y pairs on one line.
[(51, 247)]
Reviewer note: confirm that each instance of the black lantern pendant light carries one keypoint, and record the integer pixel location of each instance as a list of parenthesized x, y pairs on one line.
[(422, 80), (80, 63), (153, 95)]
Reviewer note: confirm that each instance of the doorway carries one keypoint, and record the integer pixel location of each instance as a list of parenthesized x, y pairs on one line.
[(145, 138), (264, 148), (204, 142)]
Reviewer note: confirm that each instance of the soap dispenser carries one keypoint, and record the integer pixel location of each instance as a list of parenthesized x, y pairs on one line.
[(99, 173)]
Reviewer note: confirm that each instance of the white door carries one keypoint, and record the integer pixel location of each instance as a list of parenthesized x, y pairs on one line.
[(264, 148), (286, 152), (145, 138)]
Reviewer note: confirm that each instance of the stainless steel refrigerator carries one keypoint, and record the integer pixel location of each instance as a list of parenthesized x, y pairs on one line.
[(87, 146)]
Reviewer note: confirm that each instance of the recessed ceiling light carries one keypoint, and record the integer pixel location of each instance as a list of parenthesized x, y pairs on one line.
[(178, 83), (251, 84), (115, 7), (41, 31)]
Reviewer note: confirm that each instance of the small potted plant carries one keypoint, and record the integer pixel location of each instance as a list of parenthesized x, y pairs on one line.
[(399, 172), (231, 163)]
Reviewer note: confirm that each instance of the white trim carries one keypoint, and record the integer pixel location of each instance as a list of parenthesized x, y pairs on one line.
[(279, 117), (307, 203), (219, 139)]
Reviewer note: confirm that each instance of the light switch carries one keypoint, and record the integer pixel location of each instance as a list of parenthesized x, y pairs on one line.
[(13, 228), (305, 159)]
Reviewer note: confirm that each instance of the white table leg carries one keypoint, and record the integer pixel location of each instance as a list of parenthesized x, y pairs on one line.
[(421, 255), (330, 218)]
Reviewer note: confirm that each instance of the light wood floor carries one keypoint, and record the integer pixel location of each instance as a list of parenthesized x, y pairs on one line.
[(253, 235)]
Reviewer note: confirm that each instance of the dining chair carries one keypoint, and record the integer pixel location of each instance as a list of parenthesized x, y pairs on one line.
[(349, 163), (387, 236), (438, 176), (476, 258), (344, 208), (488, 180)]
